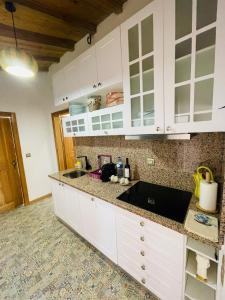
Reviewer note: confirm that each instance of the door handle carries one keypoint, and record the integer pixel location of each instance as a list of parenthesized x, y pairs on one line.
[(14, 163)]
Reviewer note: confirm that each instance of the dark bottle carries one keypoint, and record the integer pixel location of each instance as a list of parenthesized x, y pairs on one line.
[(127, 170)]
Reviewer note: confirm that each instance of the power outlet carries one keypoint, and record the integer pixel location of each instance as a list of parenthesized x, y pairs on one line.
[(150, 161)]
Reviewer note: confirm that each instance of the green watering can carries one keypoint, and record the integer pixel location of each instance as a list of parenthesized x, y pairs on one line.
[(198, 177)]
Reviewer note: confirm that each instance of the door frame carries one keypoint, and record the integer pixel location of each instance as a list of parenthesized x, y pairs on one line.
[(59, 114), (22, 176)]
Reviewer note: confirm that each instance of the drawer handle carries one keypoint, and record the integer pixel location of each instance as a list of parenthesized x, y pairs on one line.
[(142, 238), (142, 223), (143, 253), (143, 267), (143, 280)]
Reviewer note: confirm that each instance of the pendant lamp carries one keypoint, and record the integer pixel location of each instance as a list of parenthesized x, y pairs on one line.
[(14, 60)]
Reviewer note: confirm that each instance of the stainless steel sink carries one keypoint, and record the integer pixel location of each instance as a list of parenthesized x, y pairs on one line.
[(74, 174)]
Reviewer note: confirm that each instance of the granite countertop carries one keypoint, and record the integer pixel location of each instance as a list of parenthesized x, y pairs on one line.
[(109, 192)]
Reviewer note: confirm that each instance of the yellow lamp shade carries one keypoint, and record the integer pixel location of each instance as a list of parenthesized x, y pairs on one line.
[(17, 62)]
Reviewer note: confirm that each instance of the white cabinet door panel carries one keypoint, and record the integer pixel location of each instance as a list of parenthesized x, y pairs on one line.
[(87, 72), (194, 66), (72, 80), (142, 59), (106, 229), (59, 86), (108, 55)]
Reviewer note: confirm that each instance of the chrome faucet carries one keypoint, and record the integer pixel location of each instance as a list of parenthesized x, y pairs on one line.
[(87, 164)]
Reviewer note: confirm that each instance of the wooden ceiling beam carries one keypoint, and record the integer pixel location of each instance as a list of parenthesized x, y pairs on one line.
[(46, 58), (26, 35), (75, 22)]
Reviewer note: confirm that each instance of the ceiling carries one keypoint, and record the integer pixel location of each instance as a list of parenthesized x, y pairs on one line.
[(48, 28)]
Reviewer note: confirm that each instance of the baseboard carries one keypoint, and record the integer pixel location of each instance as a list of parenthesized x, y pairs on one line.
[(44, 197), (7, 207)]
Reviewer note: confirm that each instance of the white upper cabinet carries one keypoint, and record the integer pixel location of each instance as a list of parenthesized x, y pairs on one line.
[(87, 69), (59, 85), (66, 84), (108, 56), (79, 125), (108, 121), (142, 59), (194, 65), (71, 73), (98, 67)]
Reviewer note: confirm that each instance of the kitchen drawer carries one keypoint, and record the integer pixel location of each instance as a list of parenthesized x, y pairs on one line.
[(130, 222), (128, 264), (164, 237), (136, 240), (164, 287)]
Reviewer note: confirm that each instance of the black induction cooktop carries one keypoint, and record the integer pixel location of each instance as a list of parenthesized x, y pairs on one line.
[(167, 202)]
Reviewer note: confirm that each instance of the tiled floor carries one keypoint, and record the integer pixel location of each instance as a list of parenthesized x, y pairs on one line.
[(40, 258)]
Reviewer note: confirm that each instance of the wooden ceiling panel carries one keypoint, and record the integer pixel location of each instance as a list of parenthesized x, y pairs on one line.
[(48, 28), (35, 21)]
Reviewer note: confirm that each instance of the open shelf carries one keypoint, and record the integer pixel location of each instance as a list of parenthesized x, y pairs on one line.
[(203, 249), (191, 269), (196, 290)]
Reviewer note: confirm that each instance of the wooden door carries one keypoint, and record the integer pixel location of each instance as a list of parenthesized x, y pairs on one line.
[(65, 146), (10, 185)]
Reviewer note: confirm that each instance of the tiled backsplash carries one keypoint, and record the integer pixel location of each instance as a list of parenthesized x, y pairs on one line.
[(175, 161)]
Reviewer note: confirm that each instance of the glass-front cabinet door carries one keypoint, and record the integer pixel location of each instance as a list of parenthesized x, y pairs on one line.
[(192, 33), (66, 124), (107, 121), (79, 125), (142, 56)]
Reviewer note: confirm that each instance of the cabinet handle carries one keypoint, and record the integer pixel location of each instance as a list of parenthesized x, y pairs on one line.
[(74, 134), (143, 267), (105, 132), (143, 280), (66, 98), (92, 199), (222, 273), (157, 129), (63, 99), (142, 253), (99, 84), (168, 128), (221, 107), (142, 224), (59, 183), (142, 238)]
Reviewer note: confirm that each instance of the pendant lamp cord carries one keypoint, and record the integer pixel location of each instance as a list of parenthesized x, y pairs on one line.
[(14, 29)]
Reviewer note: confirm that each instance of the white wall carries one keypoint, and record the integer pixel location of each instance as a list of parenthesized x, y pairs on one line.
[(129, 8), (32, 101)]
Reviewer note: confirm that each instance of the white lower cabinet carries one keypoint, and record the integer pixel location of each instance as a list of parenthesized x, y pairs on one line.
[(152, 254), (67, 204), (99, 224), (149, 252), (91, 217)]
